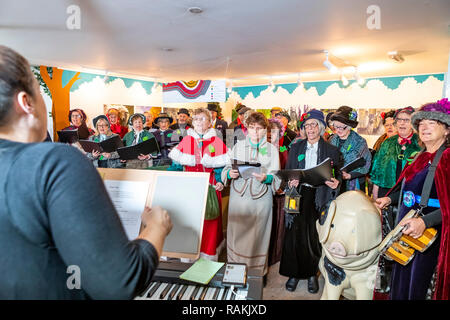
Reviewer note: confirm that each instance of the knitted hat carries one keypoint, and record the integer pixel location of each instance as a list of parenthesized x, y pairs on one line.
[(346, 115), (102, 116), (130, 120), (312, 114), (408, 110), (439, 111), (184, 111), (163, 115)]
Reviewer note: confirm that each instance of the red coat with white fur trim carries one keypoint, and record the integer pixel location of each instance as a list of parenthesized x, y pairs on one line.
[(203, 154)]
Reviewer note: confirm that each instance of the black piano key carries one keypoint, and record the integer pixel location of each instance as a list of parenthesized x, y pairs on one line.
[(203, 293), (225, 293), (165, 291), (194, 293), (182, 291), (153, 290), (173, 292), (216, 294)]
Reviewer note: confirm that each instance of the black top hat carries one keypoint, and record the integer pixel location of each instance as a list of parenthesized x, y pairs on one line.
[(185, 111), (346, 115), (163, 115), (243, 110), (213, 107)]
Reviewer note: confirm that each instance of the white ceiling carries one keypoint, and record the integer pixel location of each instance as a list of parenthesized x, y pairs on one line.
[(260, 38)]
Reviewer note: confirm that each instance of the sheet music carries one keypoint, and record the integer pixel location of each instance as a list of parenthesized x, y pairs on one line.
[(129, 199)]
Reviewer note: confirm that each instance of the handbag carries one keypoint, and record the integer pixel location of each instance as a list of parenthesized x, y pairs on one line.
[(212, 204)]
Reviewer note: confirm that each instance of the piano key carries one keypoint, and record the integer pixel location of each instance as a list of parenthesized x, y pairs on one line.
[(152, 291), (182, 291), (144, 295), (173, 292), (233, 294), (166, 290), (228, 294), (194, 293), (203, 293), (188, 293), (219, 293), (210, 293), (158, 292), (225, 294)]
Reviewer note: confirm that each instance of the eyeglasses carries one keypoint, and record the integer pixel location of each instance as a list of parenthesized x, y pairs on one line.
[(311, 125), (76, 116), (402, 120), (102, 125), (340, 128)]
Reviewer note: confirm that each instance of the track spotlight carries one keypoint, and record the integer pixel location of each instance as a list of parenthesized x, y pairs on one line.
[(331, 67), (397, 57)]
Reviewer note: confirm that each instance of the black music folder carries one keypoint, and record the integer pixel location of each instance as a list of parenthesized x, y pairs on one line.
[(246, 169), (68, 136), (108, 145), (355, 164), (314, 176), (132, 152)]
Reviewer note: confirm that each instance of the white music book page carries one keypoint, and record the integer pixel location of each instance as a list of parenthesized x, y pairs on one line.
[(129, 199)]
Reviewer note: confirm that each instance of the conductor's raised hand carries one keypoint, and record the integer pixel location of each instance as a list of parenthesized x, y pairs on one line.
[(157, 219)]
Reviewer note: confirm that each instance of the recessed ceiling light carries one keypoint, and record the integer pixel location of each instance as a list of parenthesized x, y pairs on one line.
[(195, 10), (167, 49)]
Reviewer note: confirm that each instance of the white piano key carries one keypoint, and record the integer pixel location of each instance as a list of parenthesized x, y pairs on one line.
[(182, 291), (221, 293), (228, 297), (196, 293), (188, 293), (144, 295), (210, 293), (173, 292), (158, 292), (166, 291)]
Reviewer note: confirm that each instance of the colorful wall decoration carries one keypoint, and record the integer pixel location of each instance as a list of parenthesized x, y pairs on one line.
[(194, 91)]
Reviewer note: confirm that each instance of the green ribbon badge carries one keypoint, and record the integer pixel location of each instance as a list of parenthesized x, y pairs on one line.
[(144, 138), (211, 149), (263, 151), (301, 157), (178, 131), (349, 146), (169, 135), (283, 148)]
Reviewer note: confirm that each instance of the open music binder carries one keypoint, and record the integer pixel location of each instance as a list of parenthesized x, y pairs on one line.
[(182, 194), (132, 152), (355, 164), (68, 136), (246, 169), (314, 176), (108, 145)]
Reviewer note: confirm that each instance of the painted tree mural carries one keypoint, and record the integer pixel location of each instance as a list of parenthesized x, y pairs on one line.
[(60, 97)]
